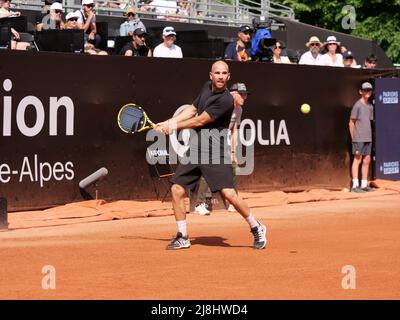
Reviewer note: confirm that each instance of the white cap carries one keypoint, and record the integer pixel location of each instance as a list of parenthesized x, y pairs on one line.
[(168, 31), (87, 2), (366, 86), (74, 14), (56, 6)]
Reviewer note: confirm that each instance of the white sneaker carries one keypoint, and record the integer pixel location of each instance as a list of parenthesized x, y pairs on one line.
[(231, 208), (201, 209)]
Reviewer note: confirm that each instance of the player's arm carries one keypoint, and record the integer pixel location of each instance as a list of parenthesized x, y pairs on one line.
[(182, 116), (352, 125), (193, 122)]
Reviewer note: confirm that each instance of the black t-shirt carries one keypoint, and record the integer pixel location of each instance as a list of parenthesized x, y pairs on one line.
[(142, 51), (219, 105)]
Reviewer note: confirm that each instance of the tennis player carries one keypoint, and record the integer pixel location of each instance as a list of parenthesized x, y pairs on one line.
[(210, 116)]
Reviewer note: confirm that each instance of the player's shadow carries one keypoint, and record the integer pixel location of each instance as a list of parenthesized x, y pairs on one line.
[(211, 241)]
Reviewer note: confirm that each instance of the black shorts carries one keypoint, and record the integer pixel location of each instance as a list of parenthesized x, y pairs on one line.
[(217, 176), (362, 148)]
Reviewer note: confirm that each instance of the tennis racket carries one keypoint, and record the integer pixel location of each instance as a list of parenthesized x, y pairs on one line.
[(132, 118)]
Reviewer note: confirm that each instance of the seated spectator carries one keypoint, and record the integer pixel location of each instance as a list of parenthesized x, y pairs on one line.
[(199, 16), (132, 23), (72, 24), (137, 47), (240, 50), (164, 8), (182, 11), (313, 56), (332, 58), (52, 20), (276, 54), (167, 49), (146, 6), (45, 10), (371, 62), (349, 61), (5, 12), (121, 4), (87, 22)]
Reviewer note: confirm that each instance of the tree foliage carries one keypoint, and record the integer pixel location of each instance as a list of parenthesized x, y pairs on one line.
[(377, 20)]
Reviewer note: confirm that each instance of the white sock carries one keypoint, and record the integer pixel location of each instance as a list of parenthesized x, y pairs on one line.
[(182, 227), (364, 183), (252, 221), (355, 183)]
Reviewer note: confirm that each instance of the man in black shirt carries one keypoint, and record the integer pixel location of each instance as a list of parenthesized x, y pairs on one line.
[(209, 115), (137, 47)]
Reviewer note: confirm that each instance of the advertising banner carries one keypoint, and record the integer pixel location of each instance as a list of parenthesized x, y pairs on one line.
[(387, 135), (58, 121)]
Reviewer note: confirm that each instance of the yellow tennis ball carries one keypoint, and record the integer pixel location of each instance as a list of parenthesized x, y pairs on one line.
[(305, 108)]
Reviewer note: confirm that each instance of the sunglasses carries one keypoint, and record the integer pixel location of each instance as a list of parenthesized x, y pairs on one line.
[(130, 14), (58, 11), (141, 36), (73, 19), (314, 44), (91, 5)]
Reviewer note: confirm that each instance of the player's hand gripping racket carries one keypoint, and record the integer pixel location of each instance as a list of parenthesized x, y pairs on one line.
[(132, 118)]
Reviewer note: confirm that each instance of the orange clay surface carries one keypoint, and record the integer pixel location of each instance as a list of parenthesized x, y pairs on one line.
[(100, 252)]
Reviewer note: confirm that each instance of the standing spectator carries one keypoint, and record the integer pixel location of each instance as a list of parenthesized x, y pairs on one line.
[(361, 135), (332, 58), (240, 50), (371, 62), (137, 47), (313, 56), (276, 54), (52, 20), (167, 49), (132, 23), (5, 12), (87, 22)]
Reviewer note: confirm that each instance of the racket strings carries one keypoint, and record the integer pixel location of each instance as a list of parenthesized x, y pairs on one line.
[(132, 119)]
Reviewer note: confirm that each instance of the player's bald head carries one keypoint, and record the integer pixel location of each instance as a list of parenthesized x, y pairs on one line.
[(220, 65)]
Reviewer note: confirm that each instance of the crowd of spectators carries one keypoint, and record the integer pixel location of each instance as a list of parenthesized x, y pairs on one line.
[(328, 53)]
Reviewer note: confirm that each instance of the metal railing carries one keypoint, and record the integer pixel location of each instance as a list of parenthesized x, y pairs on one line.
[(195, 11)]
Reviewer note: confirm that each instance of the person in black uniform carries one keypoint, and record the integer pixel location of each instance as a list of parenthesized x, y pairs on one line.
[(137, 47), (210, 115)]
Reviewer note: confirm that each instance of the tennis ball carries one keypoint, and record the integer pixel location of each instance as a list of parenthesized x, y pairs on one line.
[(305, 108)]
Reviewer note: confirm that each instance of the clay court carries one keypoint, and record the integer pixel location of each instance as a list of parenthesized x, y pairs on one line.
[(312, 235)]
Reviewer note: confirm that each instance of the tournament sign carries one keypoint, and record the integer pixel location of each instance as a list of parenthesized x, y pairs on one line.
[(387, 115)]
